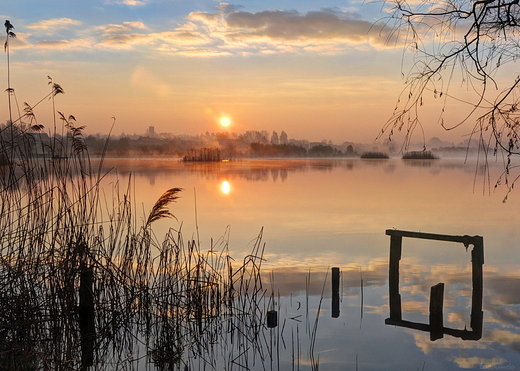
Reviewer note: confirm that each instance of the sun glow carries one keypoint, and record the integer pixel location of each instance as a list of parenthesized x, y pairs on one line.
[(225, 121), (225, 187)]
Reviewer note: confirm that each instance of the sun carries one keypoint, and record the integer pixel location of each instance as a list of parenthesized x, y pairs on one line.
[(225, 121)]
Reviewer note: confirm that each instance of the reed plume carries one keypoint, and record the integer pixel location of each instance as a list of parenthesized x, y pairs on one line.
[(160, 209)]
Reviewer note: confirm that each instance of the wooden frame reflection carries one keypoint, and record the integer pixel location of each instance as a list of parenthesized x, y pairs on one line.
[(435, 326)]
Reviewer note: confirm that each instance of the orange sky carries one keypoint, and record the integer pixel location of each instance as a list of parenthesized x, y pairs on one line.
[(315, 71)]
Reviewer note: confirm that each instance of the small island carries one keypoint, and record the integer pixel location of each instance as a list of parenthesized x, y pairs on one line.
[(419, 155)]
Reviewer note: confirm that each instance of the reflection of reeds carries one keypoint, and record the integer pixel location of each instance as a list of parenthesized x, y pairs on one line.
[(313, 360), (361, 293)]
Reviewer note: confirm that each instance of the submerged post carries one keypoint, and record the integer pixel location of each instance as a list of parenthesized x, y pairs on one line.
[(272, 319), (477, 260), (393, 277), (436, 303), (335, 292), (86, 315)]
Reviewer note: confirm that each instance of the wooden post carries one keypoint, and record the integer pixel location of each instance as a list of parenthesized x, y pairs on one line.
[(393, 277), (477, 261), (272, 319), (86, 315), (335, 292), (436, 320)]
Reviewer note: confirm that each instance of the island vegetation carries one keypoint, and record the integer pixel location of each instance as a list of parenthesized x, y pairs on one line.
[(376, 155), (419, 155)]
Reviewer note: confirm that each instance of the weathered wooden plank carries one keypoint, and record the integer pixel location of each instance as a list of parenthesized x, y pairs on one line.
[(466, 240)]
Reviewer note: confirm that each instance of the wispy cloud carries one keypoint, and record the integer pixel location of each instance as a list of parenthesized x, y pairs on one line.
[(124, 35), (122, 28), (127, 2), (54, 24), (74, 44)]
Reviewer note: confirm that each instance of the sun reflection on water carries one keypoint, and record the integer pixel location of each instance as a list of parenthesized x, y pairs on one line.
[(225, 187)]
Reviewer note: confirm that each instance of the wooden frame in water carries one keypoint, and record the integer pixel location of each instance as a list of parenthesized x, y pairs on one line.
[(435, 327)]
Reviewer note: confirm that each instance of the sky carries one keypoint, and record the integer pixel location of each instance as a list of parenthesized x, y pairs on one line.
[(314, 69)]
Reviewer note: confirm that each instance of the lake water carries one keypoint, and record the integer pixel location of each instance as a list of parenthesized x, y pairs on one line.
[(317, 214)]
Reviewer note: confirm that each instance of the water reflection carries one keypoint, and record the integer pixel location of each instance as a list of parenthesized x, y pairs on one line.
[(361, 298), (251, 170), (258, 170), (238, 331), (318, 215), (225, 187)]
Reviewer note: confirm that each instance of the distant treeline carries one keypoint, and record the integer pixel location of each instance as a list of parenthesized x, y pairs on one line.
[(211, 146), (216, 145)]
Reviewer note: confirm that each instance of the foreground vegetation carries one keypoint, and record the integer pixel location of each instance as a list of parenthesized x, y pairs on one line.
[(84, 284), (82, 279)]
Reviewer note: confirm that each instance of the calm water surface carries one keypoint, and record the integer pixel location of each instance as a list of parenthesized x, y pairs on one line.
[(319, 214)]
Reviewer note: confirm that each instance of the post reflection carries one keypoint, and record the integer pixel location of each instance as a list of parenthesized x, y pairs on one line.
[(435, 326)]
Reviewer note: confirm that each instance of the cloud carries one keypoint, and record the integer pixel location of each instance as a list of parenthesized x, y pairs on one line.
[(203, 53), (125, 41), (124, 35), (20, 41), (62, 44), (186, 39), (228, 8), (56, 34), (127, 2), (54, 24), (228, 30), (290, 25), (289, 28), (125, 27), (479, 362)]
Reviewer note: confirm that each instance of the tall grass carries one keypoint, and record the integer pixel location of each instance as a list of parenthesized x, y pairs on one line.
[(82, 281)]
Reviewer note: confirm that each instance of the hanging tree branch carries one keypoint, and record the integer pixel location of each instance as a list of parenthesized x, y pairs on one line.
[(470, 40)]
